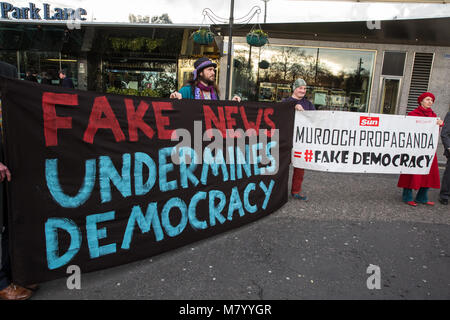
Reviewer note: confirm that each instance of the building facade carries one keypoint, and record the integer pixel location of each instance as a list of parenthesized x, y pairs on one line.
[(347, 65), (133, 58)]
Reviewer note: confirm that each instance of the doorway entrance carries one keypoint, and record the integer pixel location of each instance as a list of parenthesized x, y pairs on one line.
[(390, 89)]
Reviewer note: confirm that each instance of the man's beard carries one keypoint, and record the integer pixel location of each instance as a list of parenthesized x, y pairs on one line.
[(208, 82)]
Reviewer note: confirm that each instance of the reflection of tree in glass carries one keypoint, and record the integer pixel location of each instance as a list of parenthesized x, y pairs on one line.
[(243, 77), (290, 63), (281, 64), (308, 72), (324, 77), (165, 84), (349, 81), (296, 70), (347, 73)]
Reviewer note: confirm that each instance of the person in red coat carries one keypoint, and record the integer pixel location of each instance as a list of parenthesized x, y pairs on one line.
[(417, 181)]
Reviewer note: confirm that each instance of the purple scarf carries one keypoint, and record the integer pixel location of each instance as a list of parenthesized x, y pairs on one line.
[(201, 87)]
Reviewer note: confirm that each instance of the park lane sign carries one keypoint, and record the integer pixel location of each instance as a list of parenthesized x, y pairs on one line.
[(32, 12)]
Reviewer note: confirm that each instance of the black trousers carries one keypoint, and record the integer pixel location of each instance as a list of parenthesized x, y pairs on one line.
[(5, 271), (5, 267), (445, 182)]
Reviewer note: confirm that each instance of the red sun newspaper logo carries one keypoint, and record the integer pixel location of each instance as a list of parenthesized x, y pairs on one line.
[(369, 121), (423, 121)]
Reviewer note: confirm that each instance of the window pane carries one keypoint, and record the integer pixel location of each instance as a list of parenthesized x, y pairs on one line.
[(393, 63), (148, 78), (338, 79)]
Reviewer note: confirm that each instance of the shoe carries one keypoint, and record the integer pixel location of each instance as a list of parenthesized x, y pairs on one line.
[(411, 203), (443, 201), (32, 287), (429, 203), (15, 292), (299, 196)]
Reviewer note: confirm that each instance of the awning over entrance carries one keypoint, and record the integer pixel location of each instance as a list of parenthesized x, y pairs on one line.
[(419, 1), (432, 32), (89, 37)]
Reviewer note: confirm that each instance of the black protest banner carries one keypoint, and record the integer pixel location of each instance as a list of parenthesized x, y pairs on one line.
[(96, 182)]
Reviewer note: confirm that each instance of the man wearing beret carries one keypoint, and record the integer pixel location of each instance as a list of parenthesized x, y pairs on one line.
[(203, 85)]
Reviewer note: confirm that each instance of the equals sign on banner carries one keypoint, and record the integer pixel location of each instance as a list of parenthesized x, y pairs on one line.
[(297, 154)]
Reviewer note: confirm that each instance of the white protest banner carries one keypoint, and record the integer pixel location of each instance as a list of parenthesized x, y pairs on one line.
[(340, 141)]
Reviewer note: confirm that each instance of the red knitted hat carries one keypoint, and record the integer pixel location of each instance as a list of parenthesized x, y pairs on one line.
[(424, 95)]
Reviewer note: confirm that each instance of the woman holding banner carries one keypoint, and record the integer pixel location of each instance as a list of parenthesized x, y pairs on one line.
[(298, 95), (415, 181)]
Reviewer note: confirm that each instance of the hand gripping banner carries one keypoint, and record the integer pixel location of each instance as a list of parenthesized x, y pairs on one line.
[(99, 180)]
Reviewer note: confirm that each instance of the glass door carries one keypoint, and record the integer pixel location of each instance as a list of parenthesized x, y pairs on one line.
[(389, 95)]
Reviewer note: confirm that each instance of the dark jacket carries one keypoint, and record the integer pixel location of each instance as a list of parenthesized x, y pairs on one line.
[(305, 103), (9, 71), (2, 190), (445, 135), (67, 83), (31, 78), (45, 81)]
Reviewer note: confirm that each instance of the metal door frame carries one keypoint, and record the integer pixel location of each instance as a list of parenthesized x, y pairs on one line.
[(381, 92)]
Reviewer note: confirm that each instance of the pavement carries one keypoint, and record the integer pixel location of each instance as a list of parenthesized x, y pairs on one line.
[(319, 249)]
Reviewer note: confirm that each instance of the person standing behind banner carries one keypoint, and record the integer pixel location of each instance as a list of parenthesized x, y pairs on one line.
[(8, 290), (417, 181), (303, 104), (30, 76), (203, 85), (66, 82), (444, 194), (45, 79)]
